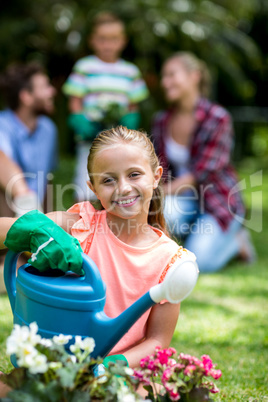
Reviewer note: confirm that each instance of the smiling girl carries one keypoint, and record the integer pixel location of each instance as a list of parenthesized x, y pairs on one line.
[(126, 236)]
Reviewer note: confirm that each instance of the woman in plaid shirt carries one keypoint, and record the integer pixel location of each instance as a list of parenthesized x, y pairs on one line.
[(194, 140)]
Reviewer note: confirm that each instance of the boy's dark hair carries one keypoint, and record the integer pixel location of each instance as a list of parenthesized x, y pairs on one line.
[(16, 78), (105, 18)]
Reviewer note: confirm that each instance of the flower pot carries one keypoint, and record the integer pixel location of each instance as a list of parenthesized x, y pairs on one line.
[(196, 395)]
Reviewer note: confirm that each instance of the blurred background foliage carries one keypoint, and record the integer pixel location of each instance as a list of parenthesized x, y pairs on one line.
[(231, 36)]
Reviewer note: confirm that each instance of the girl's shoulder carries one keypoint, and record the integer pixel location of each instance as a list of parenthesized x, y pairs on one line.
[(85, 210)]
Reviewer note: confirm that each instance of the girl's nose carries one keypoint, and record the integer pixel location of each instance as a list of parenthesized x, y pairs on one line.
[(123, 187)]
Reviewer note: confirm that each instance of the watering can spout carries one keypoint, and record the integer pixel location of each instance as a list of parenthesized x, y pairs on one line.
[(177, 285), (113, 329)]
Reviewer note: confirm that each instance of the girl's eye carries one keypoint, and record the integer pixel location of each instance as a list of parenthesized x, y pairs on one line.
[(108, 180), (134, 174)]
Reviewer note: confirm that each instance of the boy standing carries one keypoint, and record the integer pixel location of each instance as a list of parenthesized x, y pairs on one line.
[(104, 90)]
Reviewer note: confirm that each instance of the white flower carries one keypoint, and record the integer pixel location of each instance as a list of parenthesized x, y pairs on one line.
[(55, 365), (45, 342), (123, 395), (18, 336), (129, 371), (88, 344), (39, 364), (61, 339), (73, 359), (26, 355), (34, 338), (21, 335), (76, 347)]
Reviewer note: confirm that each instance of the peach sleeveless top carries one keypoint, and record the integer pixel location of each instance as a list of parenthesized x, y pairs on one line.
[(127, 271)]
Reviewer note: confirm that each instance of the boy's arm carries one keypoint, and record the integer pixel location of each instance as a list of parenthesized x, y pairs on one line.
[(75, 104), (132, 118), (84, 128), (160, 328)]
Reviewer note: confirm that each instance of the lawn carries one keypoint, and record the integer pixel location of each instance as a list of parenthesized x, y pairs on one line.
[(225, 316)]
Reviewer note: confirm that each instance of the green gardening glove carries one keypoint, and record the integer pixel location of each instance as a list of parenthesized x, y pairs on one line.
[(51, 246), (100, 368), (114, 359), (131, 120), (84, 128)]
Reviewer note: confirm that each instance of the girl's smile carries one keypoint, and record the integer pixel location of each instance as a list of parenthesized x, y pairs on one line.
[(127, 202)]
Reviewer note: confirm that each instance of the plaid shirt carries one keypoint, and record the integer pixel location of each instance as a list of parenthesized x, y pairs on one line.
[(210, 151)]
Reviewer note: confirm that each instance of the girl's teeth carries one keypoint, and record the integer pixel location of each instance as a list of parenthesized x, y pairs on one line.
[(126, 201)]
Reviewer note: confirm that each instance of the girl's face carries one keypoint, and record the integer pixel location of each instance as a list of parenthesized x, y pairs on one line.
[(123, 181), (178, 82)]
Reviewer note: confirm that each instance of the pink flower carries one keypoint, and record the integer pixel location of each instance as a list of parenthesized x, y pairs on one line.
[(152, 365), (174, 396), (177, 373), (214, 390), (216, 374), (178, 367), (189, 369), (163, 356), (206, 360), (173, 392), (139, 375), (144, 361), (208, 365), (166, 375)]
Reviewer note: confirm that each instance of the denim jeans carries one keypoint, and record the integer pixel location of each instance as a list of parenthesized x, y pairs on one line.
[(203, 235)]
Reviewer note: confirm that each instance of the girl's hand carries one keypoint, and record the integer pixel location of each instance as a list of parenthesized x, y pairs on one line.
[(50, 245)]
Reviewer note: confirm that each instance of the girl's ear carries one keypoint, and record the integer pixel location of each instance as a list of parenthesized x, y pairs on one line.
[(90, 185), (157, 176)]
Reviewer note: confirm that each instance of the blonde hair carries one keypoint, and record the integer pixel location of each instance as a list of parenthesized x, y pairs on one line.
[(193, 63), (120, 134)]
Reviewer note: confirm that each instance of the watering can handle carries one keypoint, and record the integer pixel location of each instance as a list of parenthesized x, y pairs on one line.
[(10, 268), (92, 275)]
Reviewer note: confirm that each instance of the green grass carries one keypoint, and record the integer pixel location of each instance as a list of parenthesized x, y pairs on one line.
[(225, 316)]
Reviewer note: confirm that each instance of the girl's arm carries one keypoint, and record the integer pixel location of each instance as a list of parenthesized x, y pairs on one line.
[(5, 225), (160, 328), (64, 219)]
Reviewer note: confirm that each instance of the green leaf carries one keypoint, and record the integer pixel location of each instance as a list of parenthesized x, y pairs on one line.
[(15, 378), (67, 375)]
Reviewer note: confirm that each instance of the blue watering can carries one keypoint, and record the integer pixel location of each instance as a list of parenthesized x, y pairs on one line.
[(65, 303)]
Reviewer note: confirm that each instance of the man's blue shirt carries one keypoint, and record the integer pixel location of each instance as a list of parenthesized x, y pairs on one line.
[(35, 152)]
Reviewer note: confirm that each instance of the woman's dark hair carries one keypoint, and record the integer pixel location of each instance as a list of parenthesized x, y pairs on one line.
[(16, 78)]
